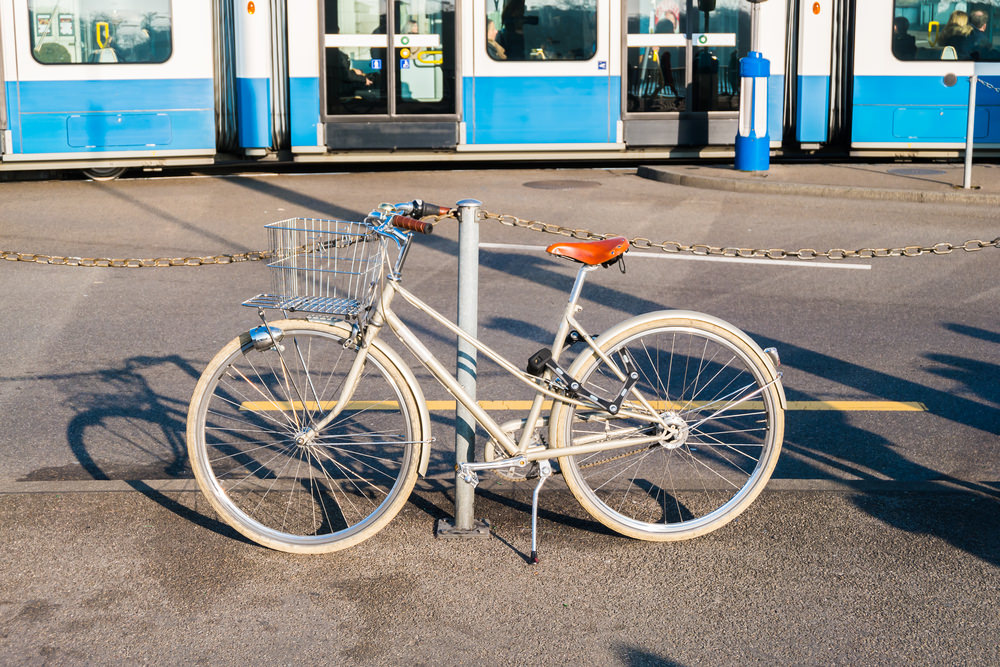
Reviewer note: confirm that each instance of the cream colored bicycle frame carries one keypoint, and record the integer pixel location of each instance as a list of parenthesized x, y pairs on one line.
[(385, 315)]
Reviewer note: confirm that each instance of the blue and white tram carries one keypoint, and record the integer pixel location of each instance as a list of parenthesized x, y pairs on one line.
[(912, 61), (107, 84)]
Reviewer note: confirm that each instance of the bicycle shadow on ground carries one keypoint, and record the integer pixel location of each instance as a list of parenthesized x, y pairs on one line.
[(125, 430), (121, 428)]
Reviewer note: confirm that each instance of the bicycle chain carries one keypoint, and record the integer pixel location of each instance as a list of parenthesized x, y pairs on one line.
[(641, 242)]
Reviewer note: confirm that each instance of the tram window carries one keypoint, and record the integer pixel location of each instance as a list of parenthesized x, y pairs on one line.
[(541, 29), (933, 30), (100, 31), (670, 71)]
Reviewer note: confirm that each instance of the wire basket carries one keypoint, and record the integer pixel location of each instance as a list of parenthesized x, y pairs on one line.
[(322, 266)]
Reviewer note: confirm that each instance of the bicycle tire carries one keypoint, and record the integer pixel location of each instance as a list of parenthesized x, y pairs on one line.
[(312, 496), (689, 366)]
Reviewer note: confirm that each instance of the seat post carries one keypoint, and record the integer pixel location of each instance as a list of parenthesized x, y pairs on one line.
[(581, 278)]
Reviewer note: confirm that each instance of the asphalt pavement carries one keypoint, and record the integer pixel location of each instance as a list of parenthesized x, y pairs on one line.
[(878, 541)]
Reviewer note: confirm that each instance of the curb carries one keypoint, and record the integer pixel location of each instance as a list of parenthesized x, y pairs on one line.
[(665, 175)]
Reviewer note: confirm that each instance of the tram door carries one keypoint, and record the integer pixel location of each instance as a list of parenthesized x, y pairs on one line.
[(682, 70), (544, 74), (390, 74)]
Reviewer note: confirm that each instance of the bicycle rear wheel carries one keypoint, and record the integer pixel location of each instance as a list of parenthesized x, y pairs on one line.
[(722, 406), (271, 477)]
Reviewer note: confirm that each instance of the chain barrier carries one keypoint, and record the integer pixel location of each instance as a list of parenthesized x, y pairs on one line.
[(989, 85), (640, 242), (134, 263)]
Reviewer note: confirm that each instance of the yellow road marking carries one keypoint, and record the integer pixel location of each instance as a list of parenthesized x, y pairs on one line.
[(858, 406), (442, 405)]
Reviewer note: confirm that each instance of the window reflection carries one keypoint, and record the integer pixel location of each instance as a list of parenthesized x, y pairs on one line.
[(426, 57), (683, 55), (100, 31), (541, 29), (356, 80), (933, 30)]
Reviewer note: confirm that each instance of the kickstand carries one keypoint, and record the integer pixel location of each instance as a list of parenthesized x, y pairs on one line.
[(544, 472)]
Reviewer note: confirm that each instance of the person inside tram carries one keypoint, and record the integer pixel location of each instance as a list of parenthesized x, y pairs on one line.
[(665, 26), (493, 48), (511, 38), (904, 45), (343, 80), (957, 34), (380, 53), (981, 41)]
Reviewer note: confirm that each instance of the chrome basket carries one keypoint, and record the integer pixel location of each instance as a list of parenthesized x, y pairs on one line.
[(331, 267)]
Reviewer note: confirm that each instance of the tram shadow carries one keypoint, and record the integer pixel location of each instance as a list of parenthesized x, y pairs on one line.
[(898, 489), (881, 453)]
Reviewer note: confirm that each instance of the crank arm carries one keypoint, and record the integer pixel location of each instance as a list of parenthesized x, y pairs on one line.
[(468, 470)]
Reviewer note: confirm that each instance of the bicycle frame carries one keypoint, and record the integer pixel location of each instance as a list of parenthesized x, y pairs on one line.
[(384, 315)]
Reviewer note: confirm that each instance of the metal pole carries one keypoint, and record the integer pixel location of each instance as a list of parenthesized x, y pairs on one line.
[(970, 130), (465, 524)]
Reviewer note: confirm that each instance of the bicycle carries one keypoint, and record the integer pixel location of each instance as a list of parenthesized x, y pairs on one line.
[(307, 434)]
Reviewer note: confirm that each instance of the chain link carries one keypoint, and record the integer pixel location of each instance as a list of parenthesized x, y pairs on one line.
[(989, 85), (642, 242), (134, 263)]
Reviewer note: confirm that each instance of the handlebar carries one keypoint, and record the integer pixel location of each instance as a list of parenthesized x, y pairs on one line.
[(405, 215), (412, 224), (422, 209)]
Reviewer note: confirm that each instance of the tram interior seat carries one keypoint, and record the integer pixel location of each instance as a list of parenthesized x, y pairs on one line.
[(104, 56)]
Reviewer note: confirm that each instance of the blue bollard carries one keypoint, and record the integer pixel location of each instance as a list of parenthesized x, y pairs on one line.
[(753, 143)]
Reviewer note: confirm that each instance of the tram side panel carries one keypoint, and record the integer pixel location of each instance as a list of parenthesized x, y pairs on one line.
[(812, 86), (527, 85), (6, 56), (89, 82), (911, 75), (304, 48)]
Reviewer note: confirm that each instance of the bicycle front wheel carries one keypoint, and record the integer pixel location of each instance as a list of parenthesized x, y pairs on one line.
[(704, 441), (264, 468)]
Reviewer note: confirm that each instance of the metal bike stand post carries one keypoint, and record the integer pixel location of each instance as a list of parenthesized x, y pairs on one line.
[(465, 525), (970, 132)]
